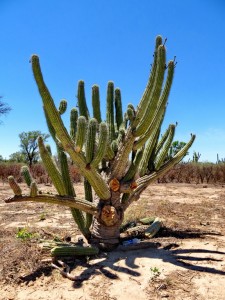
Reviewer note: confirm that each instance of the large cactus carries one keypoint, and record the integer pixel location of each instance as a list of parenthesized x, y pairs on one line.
[(118, 158)]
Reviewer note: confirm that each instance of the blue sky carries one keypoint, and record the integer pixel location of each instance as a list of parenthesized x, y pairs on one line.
[(98, 41)]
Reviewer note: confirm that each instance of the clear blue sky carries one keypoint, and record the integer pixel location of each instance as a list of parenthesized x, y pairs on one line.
[(98, 41)]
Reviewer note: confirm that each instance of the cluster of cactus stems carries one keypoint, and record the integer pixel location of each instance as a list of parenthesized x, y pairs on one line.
[(118, 158)]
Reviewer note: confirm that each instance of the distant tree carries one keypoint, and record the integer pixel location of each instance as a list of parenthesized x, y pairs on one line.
[(29, 145), (18, 157), (1, 158), (4, 108), (175, 148)]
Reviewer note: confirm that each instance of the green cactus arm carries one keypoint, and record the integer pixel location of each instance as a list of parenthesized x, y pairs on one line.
[(144, 181), (102, 142), (109, 153), (97, 182), (67, 201), (50, 127), (33, 189), (114, 146), (62, 106), (49, 106), (162, 141), (161, 108), (78, 217), (88, 197), (145, 98), (96, 103), (110, 111), (48, 147), (133, 169), (90, 140), (76, 213), (163, 153), (51, 168), (148, 152), (73, 123), (118, 108), (121, 160), (83, 109), (81, 133), (151, 106), (64, 168), (14, 186), (130, 115), (26, 175)]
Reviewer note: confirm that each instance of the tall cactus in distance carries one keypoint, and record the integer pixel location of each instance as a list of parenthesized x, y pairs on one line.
[(118, 158)]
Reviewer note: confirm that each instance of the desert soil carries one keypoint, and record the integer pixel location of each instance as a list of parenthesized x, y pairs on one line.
[(184, 261)]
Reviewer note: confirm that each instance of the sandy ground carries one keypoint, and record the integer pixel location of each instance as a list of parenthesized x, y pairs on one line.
[(186, 259)]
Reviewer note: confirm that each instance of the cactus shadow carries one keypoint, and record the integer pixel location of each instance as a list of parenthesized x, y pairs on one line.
[(128, 262)]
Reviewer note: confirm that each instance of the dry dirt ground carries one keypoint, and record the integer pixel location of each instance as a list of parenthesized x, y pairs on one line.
[(186, 259)]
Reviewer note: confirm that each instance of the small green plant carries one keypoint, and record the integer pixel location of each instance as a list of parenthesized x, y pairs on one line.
[(42, 216), (155, 271), (24, 234)]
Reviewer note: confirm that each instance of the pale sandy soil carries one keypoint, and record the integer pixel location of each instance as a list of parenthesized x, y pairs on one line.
[(186, 262)]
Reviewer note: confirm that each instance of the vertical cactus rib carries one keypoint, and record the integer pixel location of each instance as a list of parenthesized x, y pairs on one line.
[(145, 98), (73, 123), (81, 133), (83, 109), (160, 111), (102, 143), (90, 140), (96, 103), (110, 111), (163, 153), (118, 108), (51, 168), (150, 108)]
